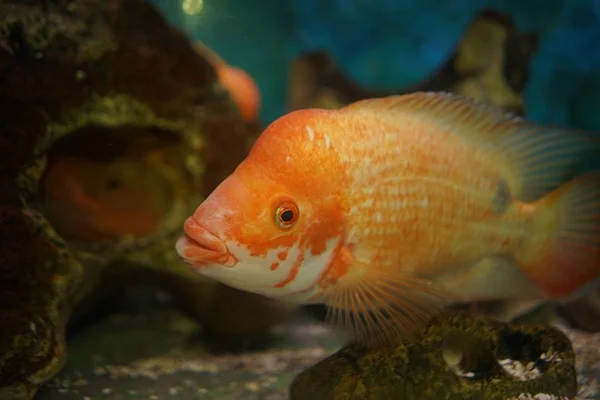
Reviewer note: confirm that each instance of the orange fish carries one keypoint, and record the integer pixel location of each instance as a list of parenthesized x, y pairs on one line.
[(241, 87), (85, 201), (389, 209)]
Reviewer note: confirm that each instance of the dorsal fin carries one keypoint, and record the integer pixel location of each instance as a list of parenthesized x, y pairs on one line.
[(472, 119), (536, 158)]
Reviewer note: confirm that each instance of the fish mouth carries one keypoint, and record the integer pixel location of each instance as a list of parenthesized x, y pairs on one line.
[(200, 248)]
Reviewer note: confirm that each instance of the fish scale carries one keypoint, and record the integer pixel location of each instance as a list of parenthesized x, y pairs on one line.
[(432, 228)]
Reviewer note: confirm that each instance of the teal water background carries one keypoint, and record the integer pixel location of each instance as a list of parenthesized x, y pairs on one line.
[(392, 44)]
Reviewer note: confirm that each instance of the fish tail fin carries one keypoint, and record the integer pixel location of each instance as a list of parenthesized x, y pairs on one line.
[(562, 253)]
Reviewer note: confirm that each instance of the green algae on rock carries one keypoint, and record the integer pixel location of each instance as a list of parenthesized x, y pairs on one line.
[(103, 106), (458, 356)]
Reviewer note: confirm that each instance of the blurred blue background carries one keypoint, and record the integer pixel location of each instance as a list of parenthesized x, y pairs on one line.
[(395, 43)]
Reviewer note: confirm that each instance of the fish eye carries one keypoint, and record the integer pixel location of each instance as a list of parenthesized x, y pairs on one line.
[(286, 214)]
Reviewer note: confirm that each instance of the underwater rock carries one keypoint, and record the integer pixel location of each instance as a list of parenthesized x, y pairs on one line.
[(457, 356), (582, 313), (490, 63), (114, 129)]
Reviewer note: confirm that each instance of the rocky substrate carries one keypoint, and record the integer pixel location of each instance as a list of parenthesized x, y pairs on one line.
[(162, 355)]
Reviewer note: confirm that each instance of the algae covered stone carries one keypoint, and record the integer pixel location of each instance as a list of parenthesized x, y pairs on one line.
[(113, 131), (456, 357)]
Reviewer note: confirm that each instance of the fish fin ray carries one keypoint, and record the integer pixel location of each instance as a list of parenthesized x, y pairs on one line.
[(379, 307), (568, 254), (534, 159)]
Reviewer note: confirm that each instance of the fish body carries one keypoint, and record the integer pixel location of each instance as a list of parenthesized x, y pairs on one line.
[(242, 88), (388, 209), (81, 202)]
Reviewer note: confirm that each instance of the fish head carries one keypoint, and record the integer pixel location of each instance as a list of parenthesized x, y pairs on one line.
[(273, 226)]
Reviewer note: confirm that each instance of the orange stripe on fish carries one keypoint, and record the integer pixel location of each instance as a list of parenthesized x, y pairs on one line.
[(338, 267), (293, 273), (315, 241)]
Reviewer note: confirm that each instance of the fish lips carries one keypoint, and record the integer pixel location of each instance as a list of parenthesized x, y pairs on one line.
[(200, 248)]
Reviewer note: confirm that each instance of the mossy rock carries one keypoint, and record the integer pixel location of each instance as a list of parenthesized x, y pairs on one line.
[(456, 357), (114, 129)]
